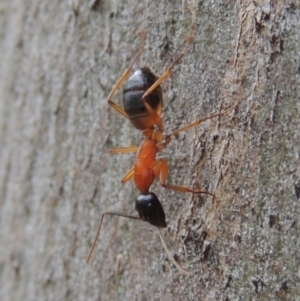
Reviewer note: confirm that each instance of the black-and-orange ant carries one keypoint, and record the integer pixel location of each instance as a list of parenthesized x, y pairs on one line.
[(142, 102)]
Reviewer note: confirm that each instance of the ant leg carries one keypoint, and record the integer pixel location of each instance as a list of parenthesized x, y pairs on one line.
[(156, 118), (168, 71), (161, 169), (195, 123), (125, 149), (129, 175), (163, 77), (163, 145), (119, 84), (99, 228), (179, 268)]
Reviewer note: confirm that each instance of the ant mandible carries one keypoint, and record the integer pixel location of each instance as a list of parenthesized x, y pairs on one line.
[(142, 101)]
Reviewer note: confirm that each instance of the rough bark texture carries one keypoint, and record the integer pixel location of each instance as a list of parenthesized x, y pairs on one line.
[(59, 61)]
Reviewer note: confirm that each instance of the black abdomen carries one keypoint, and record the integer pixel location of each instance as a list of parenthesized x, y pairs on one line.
[(138, 83)]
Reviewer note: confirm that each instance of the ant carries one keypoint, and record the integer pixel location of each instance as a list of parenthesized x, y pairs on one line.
[(142, 101)]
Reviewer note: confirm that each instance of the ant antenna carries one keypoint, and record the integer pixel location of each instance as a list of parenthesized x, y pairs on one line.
[(179, 268), (177, 265), (99, 228)]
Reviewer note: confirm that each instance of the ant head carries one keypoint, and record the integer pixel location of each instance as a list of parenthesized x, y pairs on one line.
[(150, 210)]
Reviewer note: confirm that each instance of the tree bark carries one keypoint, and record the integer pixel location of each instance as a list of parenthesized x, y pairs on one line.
[(60, 60)]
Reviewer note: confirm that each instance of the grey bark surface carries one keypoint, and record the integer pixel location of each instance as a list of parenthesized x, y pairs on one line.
[(59, 61)]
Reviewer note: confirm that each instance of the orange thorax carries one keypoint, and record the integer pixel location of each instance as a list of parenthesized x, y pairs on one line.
[(143, 173)]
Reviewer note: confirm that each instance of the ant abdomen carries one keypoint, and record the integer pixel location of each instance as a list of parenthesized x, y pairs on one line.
[(136, 86)]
